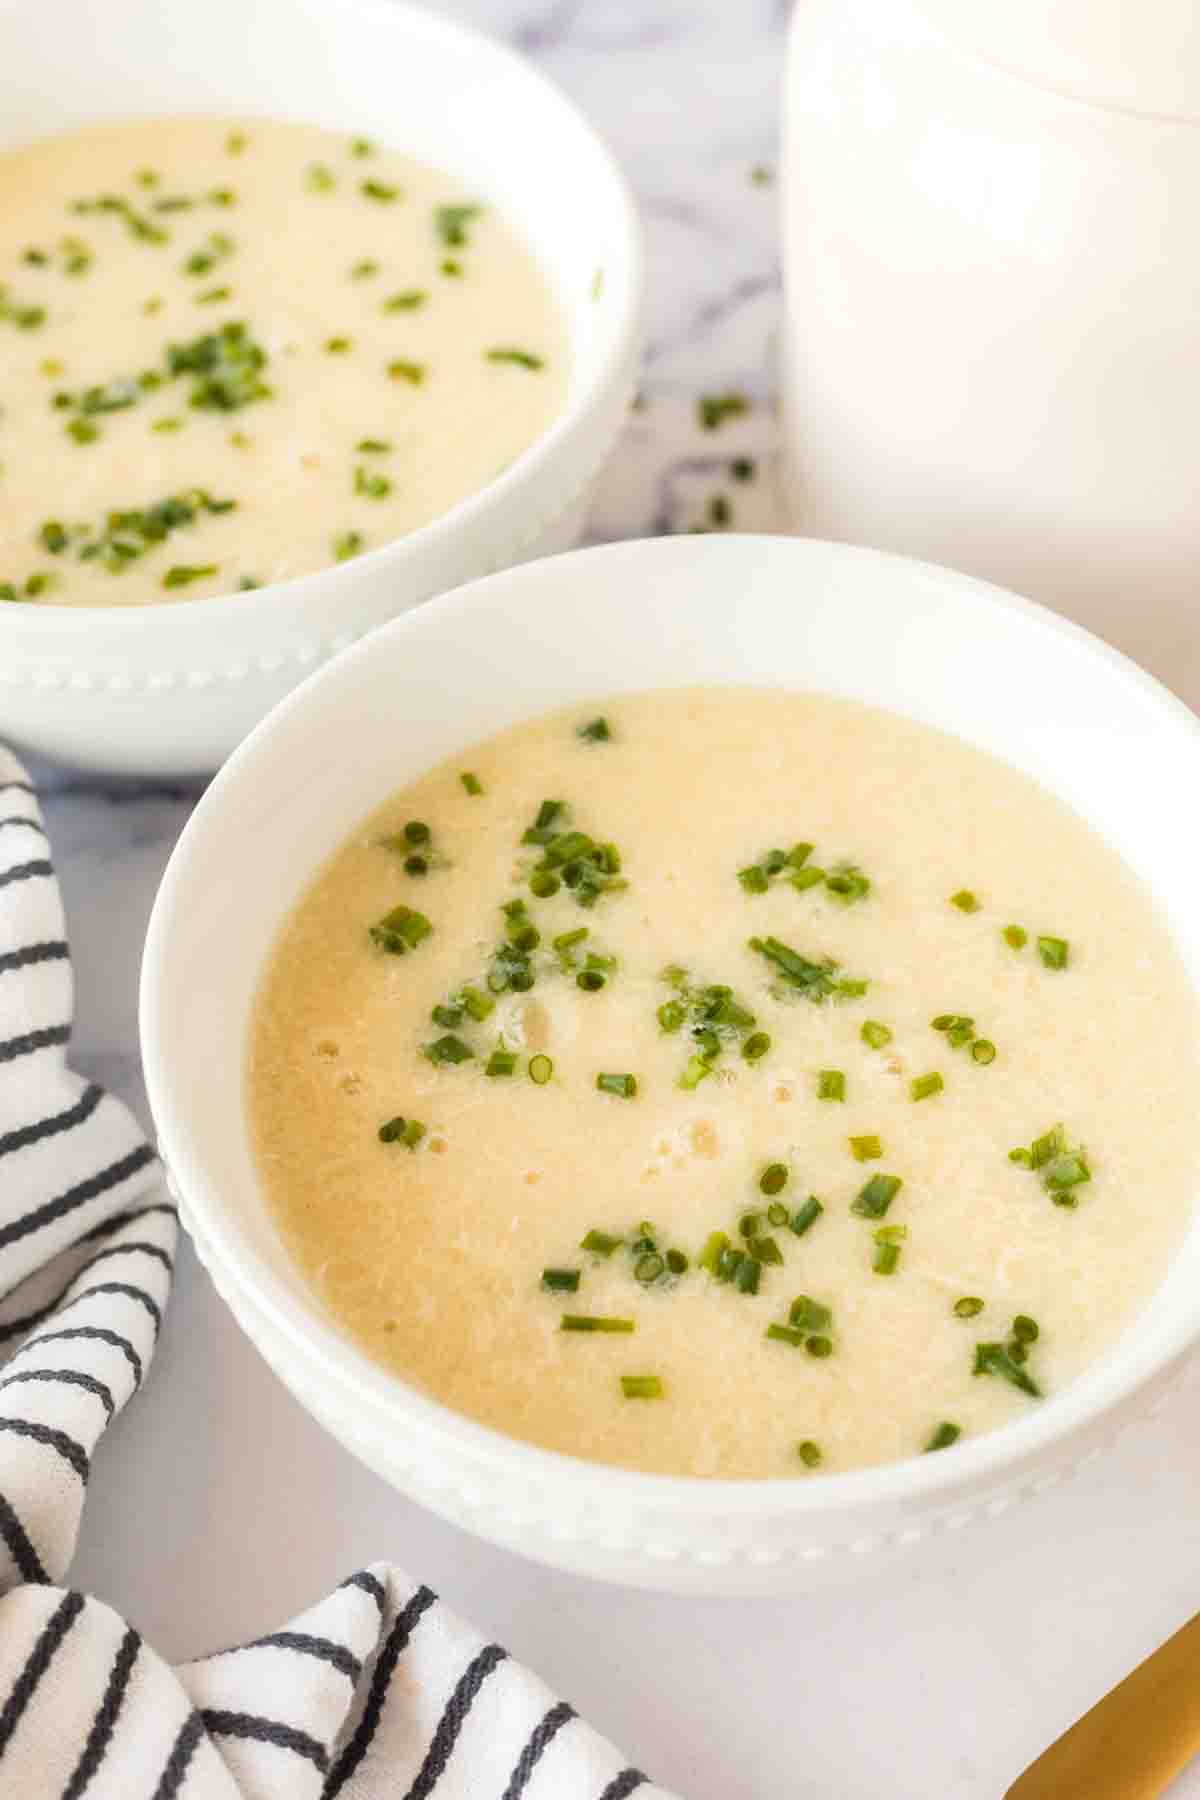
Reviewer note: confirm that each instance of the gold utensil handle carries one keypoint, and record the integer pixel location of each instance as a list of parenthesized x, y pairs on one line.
[(1133, 1742)]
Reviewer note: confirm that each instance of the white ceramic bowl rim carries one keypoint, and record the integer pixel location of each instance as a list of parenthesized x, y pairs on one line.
[(624, 297), (913, 1481)]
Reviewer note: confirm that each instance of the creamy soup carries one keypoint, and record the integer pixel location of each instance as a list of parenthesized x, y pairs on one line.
[(236, 351), (729, 1083)]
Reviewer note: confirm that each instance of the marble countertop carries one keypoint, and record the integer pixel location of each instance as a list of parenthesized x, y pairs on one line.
[(218, 1508)]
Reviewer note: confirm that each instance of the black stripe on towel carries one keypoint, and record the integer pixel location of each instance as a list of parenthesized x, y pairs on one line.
[(16, 1538), (33, 1040), (99, 1332), (135, 1247), (68, 1378), (121, 1287), (49, 950), (79, 1195), (266, 1731), (40, 1657), (40, 865), (68, 1448), (106, 1227), (182, 1751), (17, 787), (453, 1719), (385, 1667), (623, 1784), (543, 1735), (29, 824), (93, 1752), (83, 1109), (370, 1584), (17, 1327), (304, 1644)]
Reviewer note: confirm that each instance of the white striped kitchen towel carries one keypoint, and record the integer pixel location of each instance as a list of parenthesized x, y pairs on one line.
[(378, 1690)]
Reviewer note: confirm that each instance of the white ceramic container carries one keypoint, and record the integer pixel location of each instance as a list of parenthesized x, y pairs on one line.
[(990, 352), (936, 646), (169, 690)]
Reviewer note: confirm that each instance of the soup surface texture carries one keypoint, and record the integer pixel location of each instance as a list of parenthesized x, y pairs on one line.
[(237, 350), (867, 1026)]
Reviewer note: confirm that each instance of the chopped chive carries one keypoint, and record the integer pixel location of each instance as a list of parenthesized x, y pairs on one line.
[(567, 940), (756, 1046), (873, 1033), (593, 1322), (777, 1213), (743, 468), (361, 146), (831, 1084), (926, 1085), (1015, 937), (943, 1436), (412, 372), (710, 1256), (807, 878), (848, 884), (648, 1268), (407, 301), (807, 1215), (1025, 1329), (784, 1334), (347, 544), (888, 1242), (764, 1249), (694, 1072), (235, 143), (361, 271), (471, 783), (876, 1196), (754, 879), (983, 1051), (994, 1359), (774, 1178), (1054, 952), (600, 1243), (819, 1346), (541, 1068), (596, 731), (809, 1454), (451, 266), (403, 1131), (965, 901), (524, 359), (450, 223), (1021, 1156), (400, 931), (502, 1061), (337, 346), (719, 512), (561, 1281), (807, 1314), (968, 1307), (319, 179), (449, 1049), (677, 1262), (671, 1015), (182, 574), (642, 1387), (83, 431), (712, 410), (866, 1148), (624, 1085)]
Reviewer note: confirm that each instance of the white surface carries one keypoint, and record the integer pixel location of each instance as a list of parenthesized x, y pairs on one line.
[(924, 642), (169, 690), (217, 1507)]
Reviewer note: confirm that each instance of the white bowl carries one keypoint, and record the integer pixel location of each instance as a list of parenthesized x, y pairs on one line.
[(923, 641), (171, 689)]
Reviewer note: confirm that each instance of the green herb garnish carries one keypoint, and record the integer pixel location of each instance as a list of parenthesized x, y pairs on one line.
[(807, 1215), (814, 980), (183, 574), (448, 1049), (875, 1197), (642, 1387), (995, 1359), (402, 1131), (412, 372), (968, 1307), (943, 1436), (712, 410), (470, 782), (450, 223), (1054, 952), (867, 1148), (347, 544), (623, 1085), (831, 1084), (524, 359), (593, 1322), (561, 1281), (1015, 936), (596, 731), (379, 190), (926, 1085), (400, 931)]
